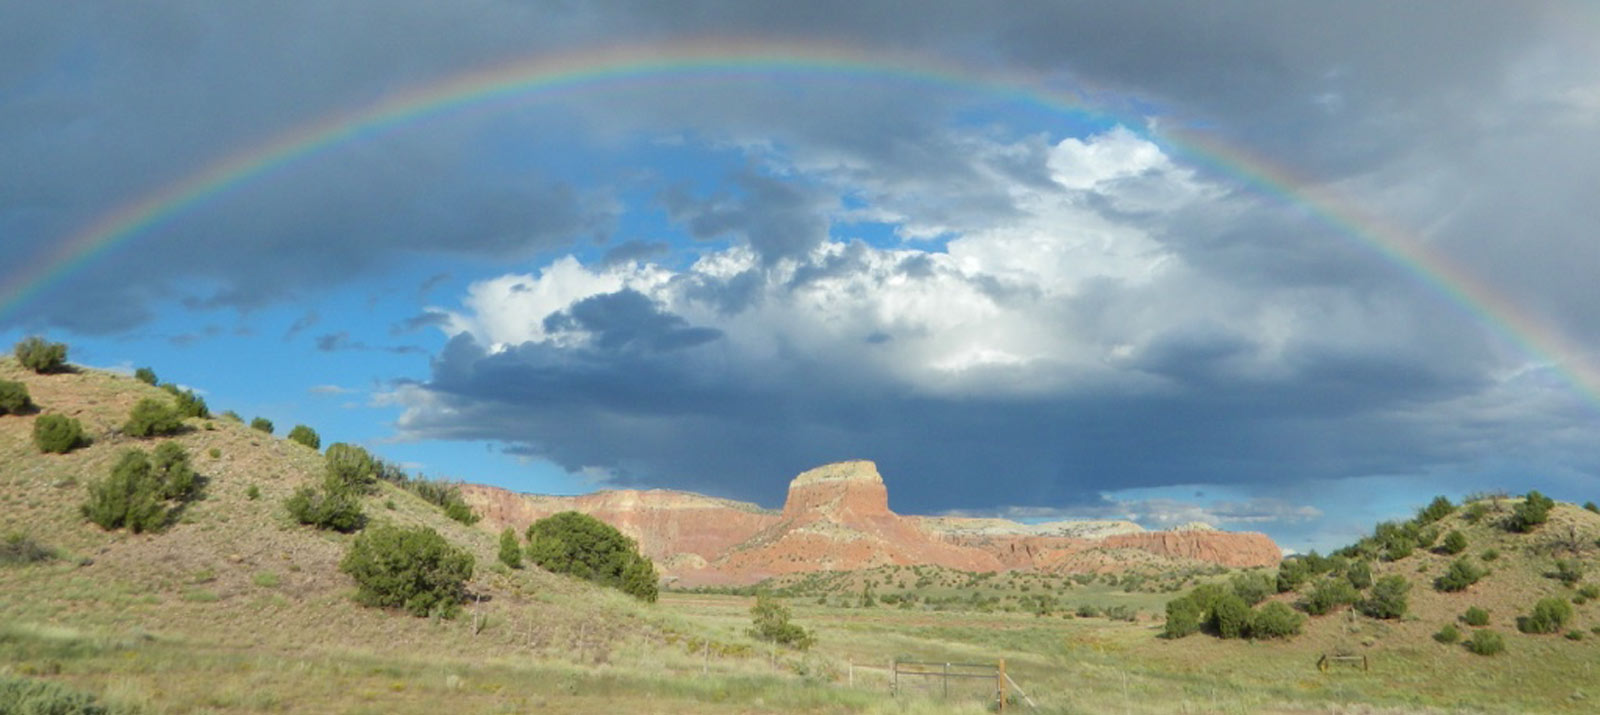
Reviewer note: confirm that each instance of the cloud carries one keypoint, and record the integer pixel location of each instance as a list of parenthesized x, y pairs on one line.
[(341, 341), (425, 319), (1068, 348), (330, 390)]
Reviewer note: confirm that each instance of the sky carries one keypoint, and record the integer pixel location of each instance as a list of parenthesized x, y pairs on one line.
[(1290, 267)]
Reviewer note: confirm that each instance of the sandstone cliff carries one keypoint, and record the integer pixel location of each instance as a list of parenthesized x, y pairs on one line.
[(836, 517)]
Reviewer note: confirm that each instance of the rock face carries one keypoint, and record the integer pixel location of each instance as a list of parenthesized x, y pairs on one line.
[(836, 517)]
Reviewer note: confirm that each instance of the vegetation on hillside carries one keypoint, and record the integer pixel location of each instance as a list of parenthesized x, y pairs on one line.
[(415, 569), (40, 355), (583, 546)]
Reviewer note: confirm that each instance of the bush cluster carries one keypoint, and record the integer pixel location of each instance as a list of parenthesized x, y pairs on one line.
[(1224, 613), (444, 495), (1461, 574), (40, 355), (1475, 616), (140, 492), (57, 434), (1448, 634), (19, 548), (1549, 615), (14, 398), (304, 435), (1455, 542), (187, 403), (1438, 509), (414, 569), (510, 548), (1388, 598), (770, 622), (146, 376), (1530, 513), (1486, 642), (1568, 571), (348, 472), (261, 424), (583, 546), (1330, 593), (151, 418)]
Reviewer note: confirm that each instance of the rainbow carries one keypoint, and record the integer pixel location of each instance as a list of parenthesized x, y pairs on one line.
[(720, 58)]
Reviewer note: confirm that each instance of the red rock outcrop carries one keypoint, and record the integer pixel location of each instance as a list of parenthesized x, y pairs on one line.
[(836, 517)]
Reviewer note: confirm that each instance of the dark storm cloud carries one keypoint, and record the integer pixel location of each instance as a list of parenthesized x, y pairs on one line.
[(778, 218), (628, 321), (634, 251), (685, 424)]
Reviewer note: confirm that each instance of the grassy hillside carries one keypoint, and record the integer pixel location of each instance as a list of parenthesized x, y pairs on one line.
[(237, 608)]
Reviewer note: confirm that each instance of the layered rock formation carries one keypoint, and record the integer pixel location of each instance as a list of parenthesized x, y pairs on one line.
[(837, 517)]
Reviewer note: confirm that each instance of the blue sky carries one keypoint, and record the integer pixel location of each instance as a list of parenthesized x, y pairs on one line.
[(713, 283)]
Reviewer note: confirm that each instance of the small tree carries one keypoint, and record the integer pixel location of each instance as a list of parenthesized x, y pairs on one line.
[(188, 404), (40, 355), (1533, 511), (172, 472), (1455, 542), (1253, 587), (326, 509), (1438, 509), (14, 398), (1230, 617), (1291, 573), (306, 436), (130, 497), (770, 622), (1448, 634), (1183, 618), (1275, 620), (57, 434), (510, 548), (414, 569), (1330, 593), (1388, 599), (261, 424), (1359, 574), (583, 546), (1476, 617), (1549, 616), (146, 376), (151, 418), (1460, 575), (351, 467)]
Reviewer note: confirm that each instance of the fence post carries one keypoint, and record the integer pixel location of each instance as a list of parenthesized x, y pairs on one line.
[(946, 680), (1000, 683), (894, 677)]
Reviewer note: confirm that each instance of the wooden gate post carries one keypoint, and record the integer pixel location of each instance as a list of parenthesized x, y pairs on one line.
[(1000, 683)]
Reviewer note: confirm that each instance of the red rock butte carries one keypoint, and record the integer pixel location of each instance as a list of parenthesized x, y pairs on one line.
[(836, 518)]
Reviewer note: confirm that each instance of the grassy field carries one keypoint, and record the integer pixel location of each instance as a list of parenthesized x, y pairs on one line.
[(235, 609)]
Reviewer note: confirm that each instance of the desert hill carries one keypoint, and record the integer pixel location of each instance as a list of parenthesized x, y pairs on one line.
[(837, 518), (233, 573)]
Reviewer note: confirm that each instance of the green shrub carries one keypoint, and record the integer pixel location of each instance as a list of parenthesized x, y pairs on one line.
[(1230, 617), (1549, 615), (261, 424), (1087, 611), (1388, 599), (1359, 574), (583, 546), (188, 404), (1486, 642), (414, 569), (232, 416), (40, 355), (14, 398), (1475, 512), (253, 493), (152, 418), (1489, 554), (1533, 511), (1460, 575), (130, 497), (1329, 594), (1591, 592), (306, 436), (1399, 549), (19, 548), (26, 696), (1275, 620), (1291, 573), (1574, 635), (326, 509), (1475, 616), (1447, 634), (350, 467), (1438, 509), (1253, 587), (170, 467), (146, 376), (510, 548), (1183, 618), (1454, 543), (1591, 506), (57, 434), (1568, 571), (770, 622)]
